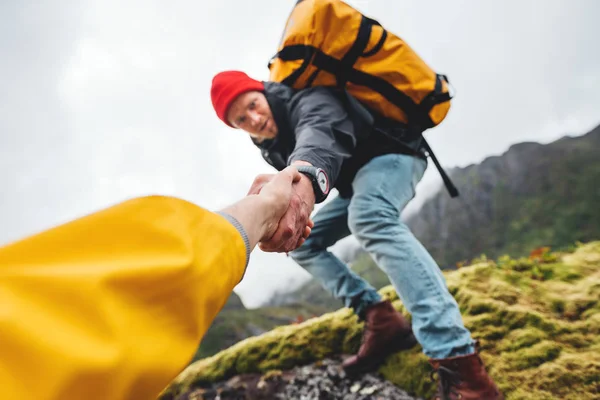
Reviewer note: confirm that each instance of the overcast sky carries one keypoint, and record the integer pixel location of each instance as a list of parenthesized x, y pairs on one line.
[(101, 101)]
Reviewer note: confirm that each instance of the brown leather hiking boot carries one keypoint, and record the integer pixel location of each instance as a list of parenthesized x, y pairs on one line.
[(386, 332), (463, 378)]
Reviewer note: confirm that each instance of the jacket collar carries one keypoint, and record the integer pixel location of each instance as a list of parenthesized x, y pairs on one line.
[(279, 97)]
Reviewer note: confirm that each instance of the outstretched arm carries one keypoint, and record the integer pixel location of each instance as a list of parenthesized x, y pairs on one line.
[(113, 305), (268, 200), (325, 136)]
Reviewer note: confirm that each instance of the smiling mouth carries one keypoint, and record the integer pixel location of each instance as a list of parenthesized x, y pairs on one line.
[(262, 128)]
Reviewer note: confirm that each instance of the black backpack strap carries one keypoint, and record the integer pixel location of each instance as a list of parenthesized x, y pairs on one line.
[(356, 50), (295, 52), (447, 181), (413, 132), (436, 96)]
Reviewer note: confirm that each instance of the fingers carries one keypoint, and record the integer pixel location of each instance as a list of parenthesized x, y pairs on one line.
[(291, 210), (292, 230), (259, 182), (306, 233), (286, 177), (274, 245), (285, 232), (304, 236), (278, 186)]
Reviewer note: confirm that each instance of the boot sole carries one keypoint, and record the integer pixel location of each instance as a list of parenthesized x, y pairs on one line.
[(406, 343)]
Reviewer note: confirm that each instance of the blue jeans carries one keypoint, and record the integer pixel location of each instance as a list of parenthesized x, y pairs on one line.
[(382, 188)]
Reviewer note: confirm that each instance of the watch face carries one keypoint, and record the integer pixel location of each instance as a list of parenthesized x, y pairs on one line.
[(323, 181)]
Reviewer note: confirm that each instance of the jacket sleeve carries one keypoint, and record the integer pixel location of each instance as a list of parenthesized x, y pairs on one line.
[(325, 133), (113, 305)]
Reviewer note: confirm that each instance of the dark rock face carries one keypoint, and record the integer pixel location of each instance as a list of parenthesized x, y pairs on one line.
[(324, 380), (531, 196)]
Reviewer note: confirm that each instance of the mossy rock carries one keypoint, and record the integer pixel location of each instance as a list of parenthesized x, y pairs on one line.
[(537, 321)]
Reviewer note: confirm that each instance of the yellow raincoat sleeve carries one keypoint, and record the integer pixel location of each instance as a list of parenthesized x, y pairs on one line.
[(112, 306)]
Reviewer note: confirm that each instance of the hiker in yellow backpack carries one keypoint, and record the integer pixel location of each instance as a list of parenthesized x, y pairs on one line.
[(113, 305), (347, 103)]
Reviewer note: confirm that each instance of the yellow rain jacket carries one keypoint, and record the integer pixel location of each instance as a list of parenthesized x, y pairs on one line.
[(112, 306)]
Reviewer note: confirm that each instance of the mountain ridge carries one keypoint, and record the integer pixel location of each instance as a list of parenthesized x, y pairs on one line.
[(494, 193)]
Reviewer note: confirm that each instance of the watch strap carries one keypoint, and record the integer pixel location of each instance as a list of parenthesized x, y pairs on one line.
[(319, 180)]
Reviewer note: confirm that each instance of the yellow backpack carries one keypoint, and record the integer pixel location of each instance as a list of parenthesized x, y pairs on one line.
[(329, 43)]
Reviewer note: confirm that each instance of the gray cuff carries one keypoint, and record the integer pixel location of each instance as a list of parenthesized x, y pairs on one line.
[(242, 232)]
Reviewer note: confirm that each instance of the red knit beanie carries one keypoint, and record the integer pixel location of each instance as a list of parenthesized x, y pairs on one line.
[(228, 85)]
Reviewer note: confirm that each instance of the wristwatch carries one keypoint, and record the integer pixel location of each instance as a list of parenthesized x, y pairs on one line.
[(319, 180)]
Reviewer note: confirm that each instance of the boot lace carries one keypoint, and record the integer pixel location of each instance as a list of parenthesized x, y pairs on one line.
[(448, 380)]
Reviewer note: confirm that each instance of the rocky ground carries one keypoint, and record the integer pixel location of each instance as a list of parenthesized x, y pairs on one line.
[(324, 380)]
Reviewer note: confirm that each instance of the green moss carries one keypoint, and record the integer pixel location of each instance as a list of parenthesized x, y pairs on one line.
[(535, 355), (521, 338), (519, 265), (576, 307), (511, 277), (526, 394), (481, 307), (409, 370), (491, 333), (568, 377), (570, 277), (539, 332), (542, 272), (504, 292), (558, 306), (576, 340)]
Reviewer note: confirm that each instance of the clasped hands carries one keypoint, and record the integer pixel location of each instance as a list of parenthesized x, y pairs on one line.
[(290, 199)]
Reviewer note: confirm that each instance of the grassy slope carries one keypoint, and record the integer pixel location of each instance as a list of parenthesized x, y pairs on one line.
[(537, 319), (233, 325)]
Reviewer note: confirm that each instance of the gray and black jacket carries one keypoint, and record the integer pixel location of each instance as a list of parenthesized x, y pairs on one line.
[(330, 129)]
